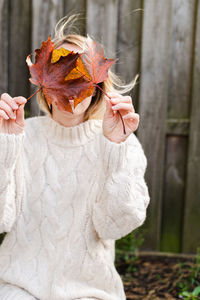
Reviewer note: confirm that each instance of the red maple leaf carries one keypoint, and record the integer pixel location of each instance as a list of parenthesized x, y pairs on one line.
[(64, 75), (50, 77), (95, 62)]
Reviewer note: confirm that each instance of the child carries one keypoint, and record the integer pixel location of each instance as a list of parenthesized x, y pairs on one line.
[(71, 184)]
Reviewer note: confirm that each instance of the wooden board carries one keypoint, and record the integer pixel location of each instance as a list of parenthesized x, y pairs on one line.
[(4, 9), (101, 26), (77, 7), (4, 46), (129, 43), (173, 193), (45, 15), (181, 44), (19, 48), (153, 107), (191, 221)]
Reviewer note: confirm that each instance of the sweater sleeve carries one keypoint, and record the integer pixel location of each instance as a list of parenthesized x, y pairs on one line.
[(121, 204), (10, 178)]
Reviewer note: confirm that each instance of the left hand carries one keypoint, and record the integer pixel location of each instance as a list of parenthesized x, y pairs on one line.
[(112, 124)]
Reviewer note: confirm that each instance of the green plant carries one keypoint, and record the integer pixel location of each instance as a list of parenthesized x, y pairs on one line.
[(189, 286), (191, 296), (126, 249), (132, 241)]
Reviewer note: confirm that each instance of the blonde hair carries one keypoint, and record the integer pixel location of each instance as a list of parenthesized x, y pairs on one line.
[(64, 34)]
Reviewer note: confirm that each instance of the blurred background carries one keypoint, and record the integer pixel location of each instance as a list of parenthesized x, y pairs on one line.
[(160, 41)]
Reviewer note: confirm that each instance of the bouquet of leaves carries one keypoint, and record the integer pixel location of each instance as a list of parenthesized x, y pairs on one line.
[(63, 75)]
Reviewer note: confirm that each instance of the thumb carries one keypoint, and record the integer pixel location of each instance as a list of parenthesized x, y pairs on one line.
[(20, 114)]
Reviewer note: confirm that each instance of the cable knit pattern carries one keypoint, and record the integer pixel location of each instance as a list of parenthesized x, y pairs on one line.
[(66, 195), (10, 145)]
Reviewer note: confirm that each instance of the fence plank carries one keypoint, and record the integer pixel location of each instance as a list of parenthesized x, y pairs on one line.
[(153, 107), (129, 43), (4, 46), (77, 6), (4, 13), (20, 16), (173, 194), (182, 27), (101, 26), (191, 232), (45, 15)]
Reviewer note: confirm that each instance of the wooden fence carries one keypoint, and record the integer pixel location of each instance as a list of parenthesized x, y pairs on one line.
[(160, 40)]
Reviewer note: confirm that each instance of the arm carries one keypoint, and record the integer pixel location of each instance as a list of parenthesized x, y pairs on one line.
[(11, 178), (123, 198)]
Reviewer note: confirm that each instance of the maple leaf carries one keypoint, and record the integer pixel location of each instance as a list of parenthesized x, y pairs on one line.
[(50, 77), (86, 87), (91, 66), (94, 61)]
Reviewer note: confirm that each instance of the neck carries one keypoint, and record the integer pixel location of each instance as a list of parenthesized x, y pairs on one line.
[(66, 118)]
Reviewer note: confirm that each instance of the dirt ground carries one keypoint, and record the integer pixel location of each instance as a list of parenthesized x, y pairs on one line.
[(156, 277)]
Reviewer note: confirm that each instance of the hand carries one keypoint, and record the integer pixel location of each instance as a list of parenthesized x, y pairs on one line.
[(12, 114), (112, 123)]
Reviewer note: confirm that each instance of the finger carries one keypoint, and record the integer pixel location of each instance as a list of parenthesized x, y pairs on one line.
[(131, 115), (120, 98), (4, 106), (114, 94), (20, 114), (4, 115), (125, 106), (20, 100), (9, 100)]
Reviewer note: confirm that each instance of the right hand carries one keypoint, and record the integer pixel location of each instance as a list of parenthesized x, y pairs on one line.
[(12, 114)]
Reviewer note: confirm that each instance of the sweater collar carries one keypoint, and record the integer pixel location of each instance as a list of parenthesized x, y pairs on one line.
[(75, 135)]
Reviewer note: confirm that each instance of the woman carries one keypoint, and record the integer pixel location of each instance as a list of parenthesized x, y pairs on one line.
[(71, 184)]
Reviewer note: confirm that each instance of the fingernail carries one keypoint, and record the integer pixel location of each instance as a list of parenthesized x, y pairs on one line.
[(15, 106)]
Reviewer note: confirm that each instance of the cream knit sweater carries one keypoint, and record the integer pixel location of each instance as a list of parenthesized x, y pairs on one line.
[(66, 195)]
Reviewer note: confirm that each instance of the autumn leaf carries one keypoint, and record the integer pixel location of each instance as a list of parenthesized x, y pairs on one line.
[(50, 77), (91, 66), (94, 61), (86, 87), (63, 75)]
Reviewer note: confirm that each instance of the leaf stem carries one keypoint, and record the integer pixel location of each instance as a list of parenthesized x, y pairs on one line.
[(34, 94), (117, 111)]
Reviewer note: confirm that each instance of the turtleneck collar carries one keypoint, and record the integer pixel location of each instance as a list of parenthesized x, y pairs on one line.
[(70, 136)]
